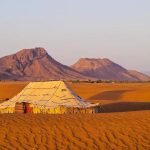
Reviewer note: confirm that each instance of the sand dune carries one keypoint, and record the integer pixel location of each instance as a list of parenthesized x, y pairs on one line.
[(99, 131), (113, 92), (123, 124), (10, 89)]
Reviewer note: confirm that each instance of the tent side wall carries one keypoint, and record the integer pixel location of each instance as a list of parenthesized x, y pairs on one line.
[(56, 110), (66, 110), (7, 110)]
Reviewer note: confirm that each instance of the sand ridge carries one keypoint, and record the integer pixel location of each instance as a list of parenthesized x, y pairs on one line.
[(99, 131), (123, 124)]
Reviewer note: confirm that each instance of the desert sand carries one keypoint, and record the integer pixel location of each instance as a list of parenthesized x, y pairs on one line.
[(10, 89), (123, 124)]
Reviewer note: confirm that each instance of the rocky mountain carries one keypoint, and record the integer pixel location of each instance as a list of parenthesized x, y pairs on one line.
[(35, 64), (105, 69), (140, 76)]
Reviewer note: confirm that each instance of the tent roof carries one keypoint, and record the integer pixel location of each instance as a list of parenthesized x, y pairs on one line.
[(48, 94)]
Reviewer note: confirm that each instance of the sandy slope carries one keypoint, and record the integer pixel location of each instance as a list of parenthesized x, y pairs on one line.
[(10, 89), (114, 129), (99, 131), (116, 97), (113, 92)]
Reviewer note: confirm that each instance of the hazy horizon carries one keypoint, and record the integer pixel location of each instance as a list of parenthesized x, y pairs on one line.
[(69, 30)]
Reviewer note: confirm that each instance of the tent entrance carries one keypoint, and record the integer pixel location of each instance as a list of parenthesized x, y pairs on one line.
[(23, 107)]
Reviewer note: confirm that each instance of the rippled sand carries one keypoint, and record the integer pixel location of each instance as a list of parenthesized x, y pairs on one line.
[(124, 123), (99, 131)]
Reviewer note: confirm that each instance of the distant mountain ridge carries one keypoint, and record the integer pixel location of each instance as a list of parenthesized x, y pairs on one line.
[(105, 69), (37, 65)]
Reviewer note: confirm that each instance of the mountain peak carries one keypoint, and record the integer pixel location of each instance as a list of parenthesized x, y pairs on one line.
[(105, 69), (35, 64), (38, 49), (32, 53), (94, 59), (92, 63)]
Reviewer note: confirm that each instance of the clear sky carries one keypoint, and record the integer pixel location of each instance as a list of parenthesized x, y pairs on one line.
[(70, 29)]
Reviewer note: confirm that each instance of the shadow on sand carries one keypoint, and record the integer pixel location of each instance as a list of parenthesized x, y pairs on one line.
[(125, 106), (109, 95)]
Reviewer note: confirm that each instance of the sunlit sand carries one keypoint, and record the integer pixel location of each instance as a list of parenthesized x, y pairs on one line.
[(123, 124)]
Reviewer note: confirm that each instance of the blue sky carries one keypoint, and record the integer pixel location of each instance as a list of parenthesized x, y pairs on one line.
[(70, 29)]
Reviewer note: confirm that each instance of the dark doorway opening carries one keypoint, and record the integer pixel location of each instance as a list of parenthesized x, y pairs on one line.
[(23, 107)]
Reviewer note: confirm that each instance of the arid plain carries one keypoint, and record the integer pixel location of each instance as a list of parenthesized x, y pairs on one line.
[(123, 124)]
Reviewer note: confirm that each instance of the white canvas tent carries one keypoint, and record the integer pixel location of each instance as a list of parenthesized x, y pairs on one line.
[(47, 97)]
